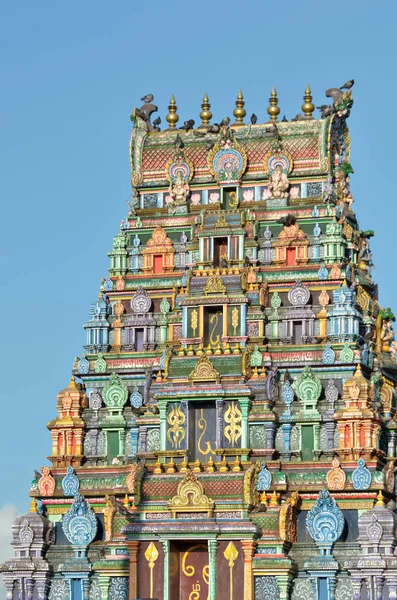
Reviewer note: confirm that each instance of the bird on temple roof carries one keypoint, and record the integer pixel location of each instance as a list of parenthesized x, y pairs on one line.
[(36, 474), (336, 94), (247, 262), (225, 122), (284, 119), (272, 131), (298, 117), (326, 110), (156, 124), (148, 98), (188, 125), (210, 145), (254, 119), (287, 221), (215, 128), (145, 112), (348, 85), (287, 376), (178, 142)]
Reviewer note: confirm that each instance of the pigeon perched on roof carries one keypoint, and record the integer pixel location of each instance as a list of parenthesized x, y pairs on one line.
[(148, 98), (254, 119), (188, 125), (178, 142), (326, 110), (225, 122), (215, 128), (348, 85)]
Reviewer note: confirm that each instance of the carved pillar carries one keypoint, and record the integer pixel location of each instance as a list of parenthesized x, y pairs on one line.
[(29, 588), (270, 428), (245, 405), (212, 547), (42, 588), (316, 428), (134, 440), (104, 583), (330, 428), (166, 549), (142, 439), (379, 582), (286, 427), (356, 585), (284, 584), (122, 442), (391, 444), (392, 586), (331, 588), (163, 423), (220, 407), (9, 585), (85, 584), (68, 442), (249, 550), (133, 548)]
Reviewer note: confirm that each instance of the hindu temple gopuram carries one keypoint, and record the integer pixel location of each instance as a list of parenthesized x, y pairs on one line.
[(229, 432)]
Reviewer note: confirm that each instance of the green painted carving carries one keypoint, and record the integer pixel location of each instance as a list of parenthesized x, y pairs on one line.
[(165, 307), (115, 392), (347, 354), (308, 387), (275, 301), (256, 357), (100, 364)]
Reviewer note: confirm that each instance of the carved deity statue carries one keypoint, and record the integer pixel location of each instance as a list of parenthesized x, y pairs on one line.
[(387, 335), (179, 190), (278, 183)]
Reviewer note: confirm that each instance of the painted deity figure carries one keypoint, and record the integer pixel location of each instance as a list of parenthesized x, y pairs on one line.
[(251, 276), (278, 183), (387, 335), (179, 190)]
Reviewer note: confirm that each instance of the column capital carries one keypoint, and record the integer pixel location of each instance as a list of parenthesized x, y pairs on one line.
[(249, 547)]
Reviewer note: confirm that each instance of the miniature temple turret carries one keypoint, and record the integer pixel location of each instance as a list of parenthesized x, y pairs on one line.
[(230, 430)]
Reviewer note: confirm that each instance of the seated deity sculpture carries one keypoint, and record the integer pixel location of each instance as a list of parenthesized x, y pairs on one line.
[(278, 183)]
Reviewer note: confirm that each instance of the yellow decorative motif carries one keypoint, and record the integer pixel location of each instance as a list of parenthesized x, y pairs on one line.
[(231, 555), (215, 285), (190, 497), (202, 424), (195, 593), (108, 513), (204, 371), (194, 321), (233, 417), (221, 222), (250, 480), (151, 555), (235, 319), (336, 477), (214, 320), (176, 433)]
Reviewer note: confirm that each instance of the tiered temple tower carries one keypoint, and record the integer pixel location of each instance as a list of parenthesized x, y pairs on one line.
[(230, 432)]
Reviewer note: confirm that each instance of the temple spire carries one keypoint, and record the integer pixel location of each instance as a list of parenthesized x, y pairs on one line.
[(239, 112), (172, 117), (308, 106), (273, 110), (205, 114)]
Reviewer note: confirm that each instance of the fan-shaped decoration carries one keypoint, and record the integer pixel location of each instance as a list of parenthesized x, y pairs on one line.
[(70, 483), (288, 394), (95, 400), (80, 523), (323, 272), (299, 294), (100, 364), (361, 476), (179, 164), (347, 354), (278, 159), (328, 355), (115, 392), (308, 387), (204, 371), (264, 479), (108, 285), (228, 163), (83, 366), (325, 521), (136, 399), (141, 301), (190, 497), (336, 477), (256, 357), (46, 483)]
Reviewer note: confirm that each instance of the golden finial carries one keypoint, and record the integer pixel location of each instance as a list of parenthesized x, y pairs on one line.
[(273, 111), (206, 114), (126, 502), (210, 466), (33, 506), (380, 501), (274, 499), (239, 112), (263, 498), (307, 106), (172, 116)]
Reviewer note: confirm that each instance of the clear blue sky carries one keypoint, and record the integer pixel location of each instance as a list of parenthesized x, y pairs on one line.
[(71, 73)]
